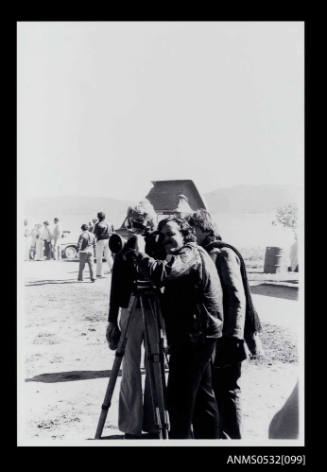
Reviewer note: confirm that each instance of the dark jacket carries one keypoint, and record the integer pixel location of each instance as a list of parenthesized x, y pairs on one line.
[(124, 274), (102, 230), (192, 299), (240, 317), (234, 302), (122, 277)]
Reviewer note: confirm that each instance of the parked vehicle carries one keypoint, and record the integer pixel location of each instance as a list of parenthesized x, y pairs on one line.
[(68, 245)]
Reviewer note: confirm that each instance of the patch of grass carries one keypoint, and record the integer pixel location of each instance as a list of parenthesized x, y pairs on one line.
[(278, 345)]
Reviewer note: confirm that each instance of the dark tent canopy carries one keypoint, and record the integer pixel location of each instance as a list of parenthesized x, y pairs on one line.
[(165, 195)]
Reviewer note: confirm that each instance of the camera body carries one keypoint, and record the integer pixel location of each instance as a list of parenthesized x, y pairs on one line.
[(153, 247)]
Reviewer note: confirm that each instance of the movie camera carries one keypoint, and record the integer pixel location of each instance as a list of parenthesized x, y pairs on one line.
[(125, 237)]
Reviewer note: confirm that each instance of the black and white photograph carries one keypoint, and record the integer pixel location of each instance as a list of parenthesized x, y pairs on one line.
[(160, 244)]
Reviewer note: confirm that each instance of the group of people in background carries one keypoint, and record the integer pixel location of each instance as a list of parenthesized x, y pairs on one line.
[(41, 241)]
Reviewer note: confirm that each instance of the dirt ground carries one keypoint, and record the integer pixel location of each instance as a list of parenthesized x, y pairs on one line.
[(66, 361)]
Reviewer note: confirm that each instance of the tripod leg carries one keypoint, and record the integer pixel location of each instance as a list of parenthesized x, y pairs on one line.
[(110, 390), (160, 336), (114, 374), (155, 375)]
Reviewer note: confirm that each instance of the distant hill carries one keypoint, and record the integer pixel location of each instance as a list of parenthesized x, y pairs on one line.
[(240, 200), (74, 211), (252, 199)]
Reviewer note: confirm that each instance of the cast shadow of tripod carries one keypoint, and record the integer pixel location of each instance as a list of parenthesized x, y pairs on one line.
[(50, 282), (71, 376)]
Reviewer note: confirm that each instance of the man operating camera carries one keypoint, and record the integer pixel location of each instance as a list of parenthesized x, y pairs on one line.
[(135, 413)]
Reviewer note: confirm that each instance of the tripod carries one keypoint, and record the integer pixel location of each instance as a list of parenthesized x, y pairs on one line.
[(144, 293)]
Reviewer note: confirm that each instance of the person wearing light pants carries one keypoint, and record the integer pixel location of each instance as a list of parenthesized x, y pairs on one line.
[(102, 233), (56, 233), (135, 411), (28, 241)]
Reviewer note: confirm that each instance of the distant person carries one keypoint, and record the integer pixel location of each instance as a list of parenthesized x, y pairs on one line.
[(56, 234), (94, 222), (102, 232), (85, 248), (33, 242), (47, 237), (39, 244), (241, 323), (27, 241), (141, 216)]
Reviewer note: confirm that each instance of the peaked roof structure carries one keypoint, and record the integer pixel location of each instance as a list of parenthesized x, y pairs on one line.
[(165, 195)]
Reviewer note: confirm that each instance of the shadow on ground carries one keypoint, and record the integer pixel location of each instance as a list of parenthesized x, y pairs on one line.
[(122, 436), (277, 291), (49, 282), (70, 376)]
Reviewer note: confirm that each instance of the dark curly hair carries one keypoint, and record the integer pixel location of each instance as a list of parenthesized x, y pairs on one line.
[(203, 219), (184, 227)]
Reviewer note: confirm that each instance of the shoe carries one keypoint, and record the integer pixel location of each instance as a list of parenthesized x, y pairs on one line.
[(79, 280), (100, 277), (93, 280), (132, 436)]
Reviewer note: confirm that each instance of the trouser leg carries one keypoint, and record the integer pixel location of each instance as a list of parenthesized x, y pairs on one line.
[(48, 249), (90, 264), (206, 415), (227, 390), (130, 416), (149, 421), (99, 255), (56, 251), (82, 259), (188, 371), (107, 254), (39, 250)]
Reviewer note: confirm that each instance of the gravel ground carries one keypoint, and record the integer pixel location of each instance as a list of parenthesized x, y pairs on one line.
[(66, 361)]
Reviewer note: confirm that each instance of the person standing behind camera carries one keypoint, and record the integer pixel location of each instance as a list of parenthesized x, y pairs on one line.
[(85, 248), (135, 412), (240, 322), (102, 233), (193, 312)]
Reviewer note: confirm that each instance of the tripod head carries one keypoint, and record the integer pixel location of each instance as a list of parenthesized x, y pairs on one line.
[(141, 286)]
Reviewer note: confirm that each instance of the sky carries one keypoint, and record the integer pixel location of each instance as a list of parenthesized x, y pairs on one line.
[(104, 108)]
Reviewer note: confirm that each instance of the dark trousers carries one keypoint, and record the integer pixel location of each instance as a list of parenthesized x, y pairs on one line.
[(191, 399), (47, 249), (227, 390)]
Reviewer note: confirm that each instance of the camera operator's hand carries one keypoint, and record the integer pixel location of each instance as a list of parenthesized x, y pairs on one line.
[(113, 335), (255, 346)]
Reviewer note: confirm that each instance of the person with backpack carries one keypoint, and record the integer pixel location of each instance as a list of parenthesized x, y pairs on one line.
[(102, 232), (241, 323), (85, 248)]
